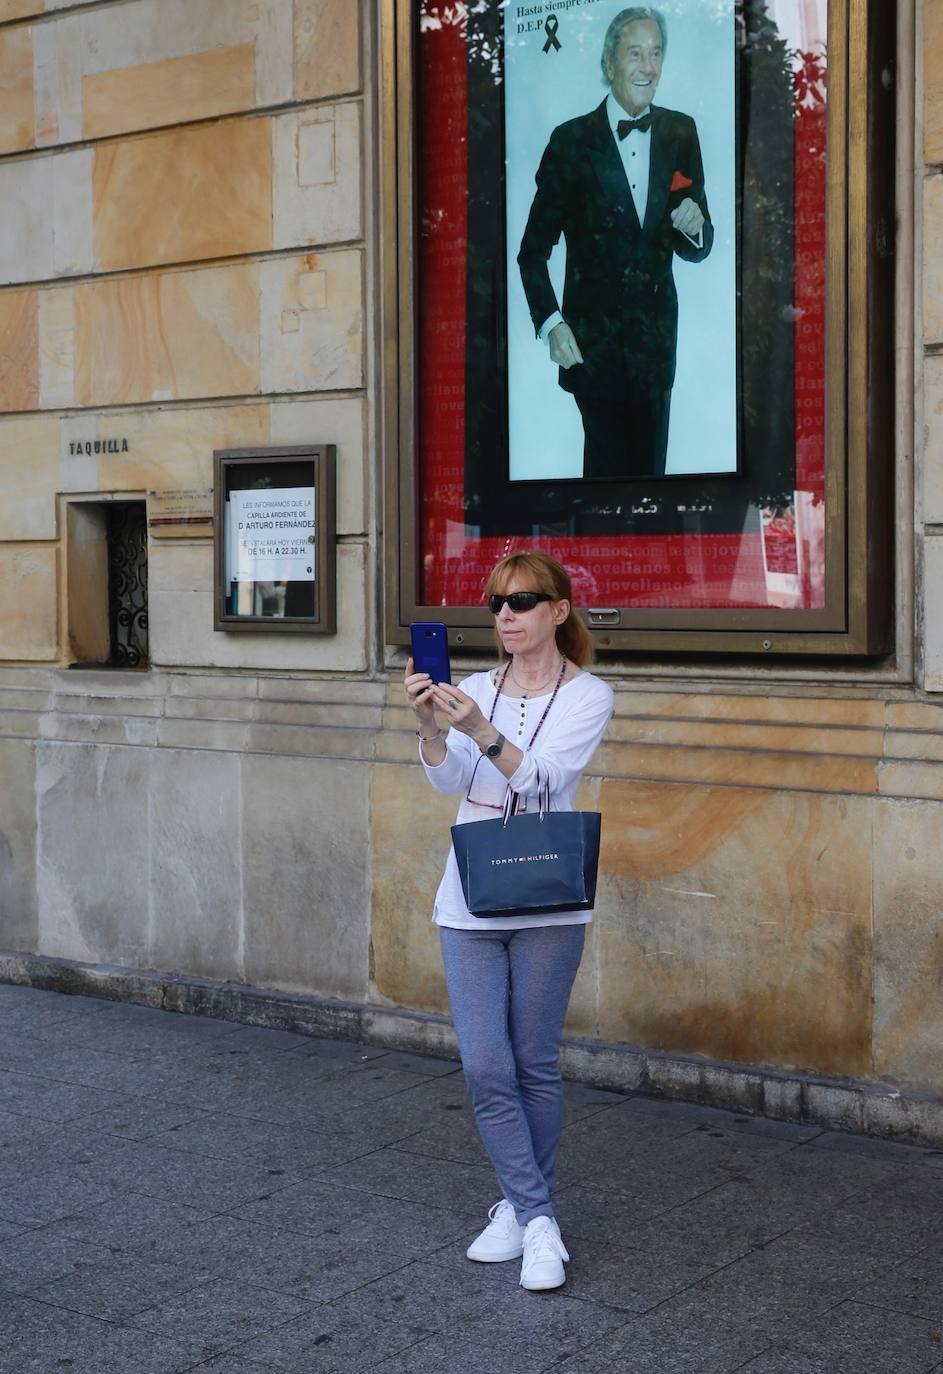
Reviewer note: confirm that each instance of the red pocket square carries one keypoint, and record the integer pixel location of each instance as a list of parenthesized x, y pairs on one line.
[(679, 182)]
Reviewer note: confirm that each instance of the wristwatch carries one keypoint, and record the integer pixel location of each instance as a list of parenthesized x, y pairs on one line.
[(494, 750)]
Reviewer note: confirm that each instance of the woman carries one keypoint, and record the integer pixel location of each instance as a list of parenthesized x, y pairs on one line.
[(509, 979)]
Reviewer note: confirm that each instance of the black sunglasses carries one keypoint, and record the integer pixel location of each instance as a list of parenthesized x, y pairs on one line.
[(518, 601)]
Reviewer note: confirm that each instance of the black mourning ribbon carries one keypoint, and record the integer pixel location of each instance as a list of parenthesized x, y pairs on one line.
[(625, 126), (550, 29)]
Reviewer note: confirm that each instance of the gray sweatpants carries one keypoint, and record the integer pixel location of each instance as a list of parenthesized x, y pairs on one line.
[(509, 991)]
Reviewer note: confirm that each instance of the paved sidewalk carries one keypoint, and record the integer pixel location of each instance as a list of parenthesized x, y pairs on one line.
[(179, 1194)]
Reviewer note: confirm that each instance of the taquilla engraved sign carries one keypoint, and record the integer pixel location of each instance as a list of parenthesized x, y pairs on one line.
[(89, 447)]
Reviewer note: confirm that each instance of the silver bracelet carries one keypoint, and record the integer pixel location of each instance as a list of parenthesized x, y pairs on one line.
[(427, 739)]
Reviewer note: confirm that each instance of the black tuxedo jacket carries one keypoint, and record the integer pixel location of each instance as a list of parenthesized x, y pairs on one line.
[(619, 294)]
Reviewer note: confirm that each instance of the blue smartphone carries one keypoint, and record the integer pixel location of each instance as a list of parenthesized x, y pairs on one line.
[(430, 643)]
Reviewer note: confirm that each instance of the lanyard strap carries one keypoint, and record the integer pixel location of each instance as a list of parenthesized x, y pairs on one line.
[(500, 689)]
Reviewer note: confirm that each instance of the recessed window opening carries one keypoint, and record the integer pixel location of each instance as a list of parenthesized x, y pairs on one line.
[(106, 569)]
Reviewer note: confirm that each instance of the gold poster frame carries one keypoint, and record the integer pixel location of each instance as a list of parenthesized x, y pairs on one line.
[(856, 620)]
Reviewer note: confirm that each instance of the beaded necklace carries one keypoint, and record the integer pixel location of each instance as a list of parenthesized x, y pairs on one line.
[(500, 689)]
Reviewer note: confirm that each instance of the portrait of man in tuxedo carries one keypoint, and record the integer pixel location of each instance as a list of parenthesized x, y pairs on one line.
[(624, 186)]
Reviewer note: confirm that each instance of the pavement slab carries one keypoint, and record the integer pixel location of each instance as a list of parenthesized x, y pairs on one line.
[(218, 1315), (353, 1218), (36, 1257), (391, 1172), (373, 1080), (795, 1276), (49, 1099), (30, 1147), (454, 1136), (714, 1228), (620, 1165), (118, 1286), (39, 1338), (56, 1193), (193, 1179), (291, 1149), (139, 1118), (899, 1220), (875, 1148), (33, 1013), (229, 1364), (541, 1328), (913, 1287), (681, 1336), (440, 1353), (629, 1280), (312, 1267), (343, 1051), (378, 1320), (179, 1194), (422, 1064), (852, 1338), (612, 1218), (133, 1224)]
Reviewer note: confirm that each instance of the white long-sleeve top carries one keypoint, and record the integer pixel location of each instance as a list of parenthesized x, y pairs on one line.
[(564, 746)]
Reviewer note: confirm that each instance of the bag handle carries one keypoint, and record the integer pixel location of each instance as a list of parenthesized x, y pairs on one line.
[(512, 800)]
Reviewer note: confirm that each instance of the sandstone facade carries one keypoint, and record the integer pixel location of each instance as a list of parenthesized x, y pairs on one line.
[(251, 809)]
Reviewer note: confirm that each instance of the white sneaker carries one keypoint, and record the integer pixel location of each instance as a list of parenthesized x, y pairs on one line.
[(502, 1238), (544, 1253)]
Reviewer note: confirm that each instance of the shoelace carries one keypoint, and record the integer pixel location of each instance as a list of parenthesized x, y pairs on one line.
[(502, 1213), (543, 1243)]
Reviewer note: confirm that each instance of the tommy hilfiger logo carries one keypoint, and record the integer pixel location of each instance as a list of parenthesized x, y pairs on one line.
[(524, 859)]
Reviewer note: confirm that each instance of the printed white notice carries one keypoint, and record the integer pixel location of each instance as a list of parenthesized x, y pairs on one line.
[(272, 535)]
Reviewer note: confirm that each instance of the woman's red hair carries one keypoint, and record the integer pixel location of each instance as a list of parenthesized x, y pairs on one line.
[(541, 573)]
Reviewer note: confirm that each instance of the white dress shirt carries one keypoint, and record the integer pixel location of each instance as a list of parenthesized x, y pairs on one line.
[(635, 153), (635, 150)]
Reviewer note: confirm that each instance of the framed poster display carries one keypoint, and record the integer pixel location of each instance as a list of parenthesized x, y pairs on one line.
[(655, 390), (638, 286), (275, 539)]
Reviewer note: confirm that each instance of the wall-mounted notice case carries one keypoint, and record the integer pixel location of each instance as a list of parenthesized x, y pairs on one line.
[(739, 502), (275, 539)]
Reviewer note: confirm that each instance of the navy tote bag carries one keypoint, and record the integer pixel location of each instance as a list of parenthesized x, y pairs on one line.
[(527, 864)]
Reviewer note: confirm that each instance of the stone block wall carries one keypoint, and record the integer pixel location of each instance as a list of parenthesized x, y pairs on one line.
[(770, 876), (182, 264)]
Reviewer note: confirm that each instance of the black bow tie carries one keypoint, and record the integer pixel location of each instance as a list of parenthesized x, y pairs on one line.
[(625, 126)]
